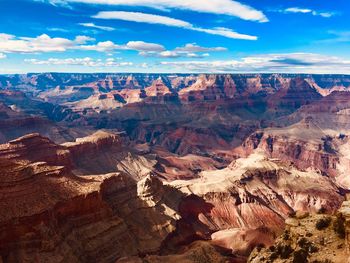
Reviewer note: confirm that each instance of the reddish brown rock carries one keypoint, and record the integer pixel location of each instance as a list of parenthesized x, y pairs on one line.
[(53, 214)]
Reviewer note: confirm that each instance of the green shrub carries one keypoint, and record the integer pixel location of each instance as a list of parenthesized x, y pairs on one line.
[(339, 226), (323, 223), (322, 210), (313, 249), (259, 247), (300, 256), (292, 214), (303, 243), (284, 251), (286, 235), (273, 256)]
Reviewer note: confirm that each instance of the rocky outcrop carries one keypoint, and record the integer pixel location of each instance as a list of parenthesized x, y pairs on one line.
[(45, 150), (158, 88), (344, 213), (252, 197), (310, 238), (288, 99), (20, 115), (305, 145), (54, 215), (96, 142)]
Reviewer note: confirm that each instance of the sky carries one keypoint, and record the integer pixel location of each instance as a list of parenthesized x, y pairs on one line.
[(175, 36)]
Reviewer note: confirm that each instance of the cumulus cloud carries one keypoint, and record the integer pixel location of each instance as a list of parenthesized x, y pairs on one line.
[(109, 46), (144, 46), (105, 46), (195, 55), (307, 11), (87, 61), (279, 63), (172, 22), (219, 7), (42, 43), (92, 25)]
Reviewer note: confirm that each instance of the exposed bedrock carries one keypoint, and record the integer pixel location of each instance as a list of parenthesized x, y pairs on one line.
[(52, 215)]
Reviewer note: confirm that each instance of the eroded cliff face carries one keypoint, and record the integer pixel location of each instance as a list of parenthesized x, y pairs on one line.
[(305, 145), (57, 216), (249, 201), (203, 168), (162, 109), (95, 199)]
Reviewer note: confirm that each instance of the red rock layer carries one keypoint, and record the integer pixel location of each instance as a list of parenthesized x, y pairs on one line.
[(50, 214)]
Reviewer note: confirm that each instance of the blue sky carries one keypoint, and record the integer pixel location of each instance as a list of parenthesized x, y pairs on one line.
[(174, 36)]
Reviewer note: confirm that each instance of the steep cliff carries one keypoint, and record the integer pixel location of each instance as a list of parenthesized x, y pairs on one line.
[(57, 216)]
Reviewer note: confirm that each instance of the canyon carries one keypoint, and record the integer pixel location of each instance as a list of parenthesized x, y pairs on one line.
[(173, 167)]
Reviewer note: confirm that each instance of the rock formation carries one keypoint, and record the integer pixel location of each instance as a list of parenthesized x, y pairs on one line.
[(54, 215), (252, 198), (173, 167), (310, 238)]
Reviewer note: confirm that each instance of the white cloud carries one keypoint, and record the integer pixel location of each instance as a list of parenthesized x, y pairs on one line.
[(92, 25), (2, 56), (225, 32), (168, 21), (298, 10), (219, 7), (190, 50), (279, 63), (324, 14), (109, 46), (57, 29), (42, 43), (173, 54), (307, 11), (83, 39), (169, 54), (193, 47), (105, 46), (142, 18), (195, 55), (144, 46), (87, 62)]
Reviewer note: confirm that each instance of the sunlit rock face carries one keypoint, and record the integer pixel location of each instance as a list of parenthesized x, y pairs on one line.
[(54, 214)]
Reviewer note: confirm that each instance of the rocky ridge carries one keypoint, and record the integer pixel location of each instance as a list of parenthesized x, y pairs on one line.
[(310, 238), (54, 214)]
